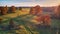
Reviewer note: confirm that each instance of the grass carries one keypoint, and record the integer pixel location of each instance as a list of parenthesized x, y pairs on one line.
[(13, 15), (21, 17), (24, 19), (21, 21)]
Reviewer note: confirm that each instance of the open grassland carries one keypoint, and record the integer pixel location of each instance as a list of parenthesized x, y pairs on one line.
[(17, 13), (26, 22)]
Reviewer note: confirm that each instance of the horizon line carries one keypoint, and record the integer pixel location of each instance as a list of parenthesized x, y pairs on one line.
[(28, 6)]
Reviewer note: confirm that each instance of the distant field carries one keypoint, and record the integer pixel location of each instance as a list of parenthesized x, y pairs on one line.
[(18, 13)]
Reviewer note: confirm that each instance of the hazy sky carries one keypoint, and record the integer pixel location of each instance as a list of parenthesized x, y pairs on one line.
[(45, 3)]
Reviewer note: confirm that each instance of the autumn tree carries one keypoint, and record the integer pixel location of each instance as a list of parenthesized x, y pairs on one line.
[(20, 8), (57, 11), (47, 19), (38, 10), (4, 10), (33, 11), (0, 10), (13, 9)]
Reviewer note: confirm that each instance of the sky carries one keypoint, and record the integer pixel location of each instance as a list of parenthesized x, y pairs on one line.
[(42, 3)]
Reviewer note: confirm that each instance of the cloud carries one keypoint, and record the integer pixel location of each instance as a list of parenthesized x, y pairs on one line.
[(29, 2)]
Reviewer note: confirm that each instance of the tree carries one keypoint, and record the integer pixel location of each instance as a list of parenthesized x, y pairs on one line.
[(13, 9), (4, 10), (33, 11), (0, 10), (57, 12), (47, 19), (38, 10), (20, 8), (58, 9)]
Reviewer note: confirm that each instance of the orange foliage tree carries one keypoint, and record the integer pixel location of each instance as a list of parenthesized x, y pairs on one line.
[(4, 10), (57, 11), (0, 10), (36, 10), (13, 9), (33, 11), (47, 20)]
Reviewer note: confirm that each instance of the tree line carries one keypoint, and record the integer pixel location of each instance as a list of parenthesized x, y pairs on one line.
[(5, 10)]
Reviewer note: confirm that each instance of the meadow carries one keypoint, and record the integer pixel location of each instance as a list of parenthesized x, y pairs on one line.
[(22, 18)]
